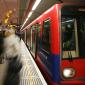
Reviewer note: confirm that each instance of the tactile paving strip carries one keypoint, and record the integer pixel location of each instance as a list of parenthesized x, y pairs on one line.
[(29, 71), (30, 74), (31, 81)]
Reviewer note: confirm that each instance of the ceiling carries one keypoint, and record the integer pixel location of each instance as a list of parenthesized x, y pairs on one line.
[(46, 4), (16, 6), (6, 6), (21, 8)]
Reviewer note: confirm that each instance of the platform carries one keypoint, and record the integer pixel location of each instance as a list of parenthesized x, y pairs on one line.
[(29, 74)]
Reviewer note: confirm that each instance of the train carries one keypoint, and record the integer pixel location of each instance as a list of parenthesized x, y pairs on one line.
[(56, 40)]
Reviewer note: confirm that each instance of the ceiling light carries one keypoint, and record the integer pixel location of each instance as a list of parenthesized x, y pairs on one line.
[(26, 19), (29, 14), (81, 9), (33, 8), (36, 4)]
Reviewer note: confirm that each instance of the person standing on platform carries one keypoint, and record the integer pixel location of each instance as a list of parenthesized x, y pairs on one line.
[(11, 55)]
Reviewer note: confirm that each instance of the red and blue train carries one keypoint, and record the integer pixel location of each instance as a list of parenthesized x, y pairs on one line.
[(56, 40)]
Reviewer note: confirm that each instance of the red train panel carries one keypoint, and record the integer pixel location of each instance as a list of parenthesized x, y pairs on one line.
[(60, 59)]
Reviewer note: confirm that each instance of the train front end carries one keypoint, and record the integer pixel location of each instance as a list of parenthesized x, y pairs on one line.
[(73, 44)]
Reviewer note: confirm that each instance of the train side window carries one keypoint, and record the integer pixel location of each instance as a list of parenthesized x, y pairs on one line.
[(46, 35), (69, 47), (33, 40)]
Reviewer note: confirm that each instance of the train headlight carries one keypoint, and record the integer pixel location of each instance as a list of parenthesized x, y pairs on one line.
[(69, 72)]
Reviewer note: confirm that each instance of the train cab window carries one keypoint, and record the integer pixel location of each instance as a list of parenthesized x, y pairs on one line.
[(73, 31), (46, 36), (81, 36), (69, 46)]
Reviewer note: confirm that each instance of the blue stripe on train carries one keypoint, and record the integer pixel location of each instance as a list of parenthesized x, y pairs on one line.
[(55, 69), (52, 63)]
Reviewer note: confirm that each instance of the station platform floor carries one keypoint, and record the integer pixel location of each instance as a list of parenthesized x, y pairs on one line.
[(29, 74)]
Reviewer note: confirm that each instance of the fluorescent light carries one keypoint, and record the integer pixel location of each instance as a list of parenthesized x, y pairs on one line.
[(36, 4), (33, 8), (26, 19), (29, 14)]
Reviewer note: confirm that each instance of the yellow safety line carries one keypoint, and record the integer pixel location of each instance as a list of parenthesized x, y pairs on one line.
[(30, 77)]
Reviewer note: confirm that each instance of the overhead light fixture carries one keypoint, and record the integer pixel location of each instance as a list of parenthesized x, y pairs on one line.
[(33, 8), (36, 4), (81, 9), (26, 19)]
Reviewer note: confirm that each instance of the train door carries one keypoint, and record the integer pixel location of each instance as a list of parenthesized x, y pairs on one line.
[(73, 45), (37, 38), (34, 39)]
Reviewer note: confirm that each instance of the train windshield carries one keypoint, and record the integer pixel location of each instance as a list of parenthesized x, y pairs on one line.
[(68, 37), (73, 35)]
